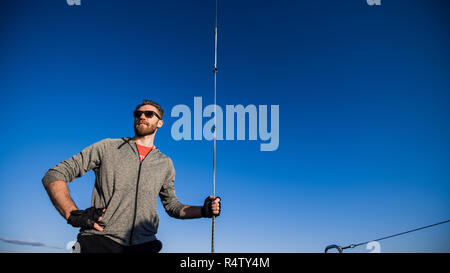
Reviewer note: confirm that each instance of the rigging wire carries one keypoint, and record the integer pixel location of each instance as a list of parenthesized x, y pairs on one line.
[(340, 249), (215, 114)]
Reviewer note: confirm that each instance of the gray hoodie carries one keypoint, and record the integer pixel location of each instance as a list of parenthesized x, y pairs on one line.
[(125, 186)]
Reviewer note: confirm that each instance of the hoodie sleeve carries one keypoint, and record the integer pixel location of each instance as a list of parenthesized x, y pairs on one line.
[(167, 194), (76, 166)]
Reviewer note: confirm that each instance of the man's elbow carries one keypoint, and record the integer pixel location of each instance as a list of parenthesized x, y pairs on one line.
[(176, 215), (177, 211), (52, 176)]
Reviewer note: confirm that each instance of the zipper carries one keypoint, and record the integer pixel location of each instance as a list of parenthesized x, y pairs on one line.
[(137, 191), (135, 203)]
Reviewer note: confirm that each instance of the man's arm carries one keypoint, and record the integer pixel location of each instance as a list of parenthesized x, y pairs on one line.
[(191, 212), (178, 210), (76, 166), (55, 182), (58, 191)]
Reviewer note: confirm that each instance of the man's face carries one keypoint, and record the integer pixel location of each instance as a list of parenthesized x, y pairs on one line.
[(144, 126)]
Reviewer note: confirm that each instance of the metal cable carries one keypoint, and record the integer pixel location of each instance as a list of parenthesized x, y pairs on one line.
[(215, 115), (340, 249), (398, 234)]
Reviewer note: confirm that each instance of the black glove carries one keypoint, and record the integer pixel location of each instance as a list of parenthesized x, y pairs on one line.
[(85, 219), (207, 207)]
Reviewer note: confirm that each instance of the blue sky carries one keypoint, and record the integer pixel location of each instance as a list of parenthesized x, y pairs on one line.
[(364, 123)]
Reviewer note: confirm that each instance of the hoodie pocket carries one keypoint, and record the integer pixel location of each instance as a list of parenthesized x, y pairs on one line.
[(119, 213)]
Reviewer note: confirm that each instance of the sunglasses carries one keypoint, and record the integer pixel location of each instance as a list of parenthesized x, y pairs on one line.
[(148, 114)]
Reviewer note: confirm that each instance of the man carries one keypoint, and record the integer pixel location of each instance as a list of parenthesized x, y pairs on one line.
[(129, 174)]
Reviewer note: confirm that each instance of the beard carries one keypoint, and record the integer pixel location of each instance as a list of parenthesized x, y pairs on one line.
[(144, 129)]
